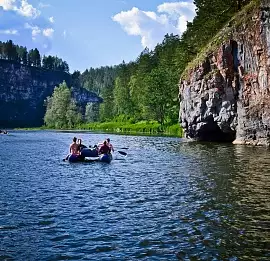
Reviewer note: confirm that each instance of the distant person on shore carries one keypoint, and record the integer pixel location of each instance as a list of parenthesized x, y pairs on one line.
[(104, 149)]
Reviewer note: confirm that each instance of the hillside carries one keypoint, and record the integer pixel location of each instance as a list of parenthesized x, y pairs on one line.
[(23, 90)]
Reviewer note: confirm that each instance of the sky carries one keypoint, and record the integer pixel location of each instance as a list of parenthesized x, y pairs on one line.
[(92, 33)]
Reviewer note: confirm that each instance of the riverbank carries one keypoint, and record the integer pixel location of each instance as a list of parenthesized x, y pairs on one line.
[(142, 127)]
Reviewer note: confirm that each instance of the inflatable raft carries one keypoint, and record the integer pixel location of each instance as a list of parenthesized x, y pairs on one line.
[(88, 157), (105, 158), (89, 153)]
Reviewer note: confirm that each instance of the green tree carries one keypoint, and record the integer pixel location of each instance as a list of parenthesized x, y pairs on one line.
[(137, 87), (121, 93), (48, 62), (106, 108), (61, 110), (73, 116), (75, 78), (36, 58), (160, 94), (24, 56), (91, 112), (10, 51)]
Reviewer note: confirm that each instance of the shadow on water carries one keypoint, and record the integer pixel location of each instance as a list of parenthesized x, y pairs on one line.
[(233, 223)]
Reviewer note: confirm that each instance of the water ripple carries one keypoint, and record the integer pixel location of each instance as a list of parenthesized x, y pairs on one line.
[(167, 200)]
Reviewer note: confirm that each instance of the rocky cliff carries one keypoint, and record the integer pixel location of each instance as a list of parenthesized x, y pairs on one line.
[(225, 92), (23, 90)]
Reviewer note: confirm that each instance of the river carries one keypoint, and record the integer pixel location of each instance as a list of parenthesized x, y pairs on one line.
[(166, 200)]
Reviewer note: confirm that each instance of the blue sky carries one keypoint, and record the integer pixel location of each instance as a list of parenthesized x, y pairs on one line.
[(92, 33)]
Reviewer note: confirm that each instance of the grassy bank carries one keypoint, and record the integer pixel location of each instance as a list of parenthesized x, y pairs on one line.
[(142, 127)]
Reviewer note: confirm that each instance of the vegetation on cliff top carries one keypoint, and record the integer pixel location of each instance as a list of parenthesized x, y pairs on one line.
[(10, 51), (240, 18)]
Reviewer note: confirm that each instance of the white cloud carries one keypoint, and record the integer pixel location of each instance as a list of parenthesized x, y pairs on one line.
[(25, 9), (43, 5), (181, 8), (36, 31), (8, 4), (152, 26), (9, 31), (65, 34), (51, 19), (48, 32), (28, 10), (122, 2), (24, 24)]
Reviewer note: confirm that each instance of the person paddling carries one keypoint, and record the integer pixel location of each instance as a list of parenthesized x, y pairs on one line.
[(73, 148), (104, 149), (110, 145), (80, 145)]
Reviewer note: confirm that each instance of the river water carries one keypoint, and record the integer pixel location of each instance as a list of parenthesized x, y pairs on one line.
[(167, 200)]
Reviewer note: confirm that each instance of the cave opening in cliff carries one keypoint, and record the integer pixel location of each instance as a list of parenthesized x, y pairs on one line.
[(212, 132)]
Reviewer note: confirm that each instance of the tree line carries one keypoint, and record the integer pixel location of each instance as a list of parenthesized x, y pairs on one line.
[(147, 88), (10, 51)]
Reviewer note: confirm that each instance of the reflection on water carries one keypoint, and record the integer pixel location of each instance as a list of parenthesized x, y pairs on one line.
[(235, 187), (167, 200)]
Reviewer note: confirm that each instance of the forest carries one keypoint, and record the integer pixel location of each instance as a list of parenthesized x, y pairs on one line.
[(145, 89)]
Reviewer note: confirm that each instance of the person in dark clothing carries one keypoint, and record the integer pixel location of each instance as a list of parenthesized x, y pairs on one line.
[(104, 149), (80, 145)]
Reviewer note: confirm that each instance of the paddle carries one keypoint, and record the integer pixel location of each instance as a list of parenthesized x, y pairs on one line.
[(122, 152)]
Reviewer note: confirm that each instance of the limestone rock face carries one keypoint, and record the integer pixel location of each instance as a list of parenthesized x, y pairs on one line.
[(227, 96), (23, 90)]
